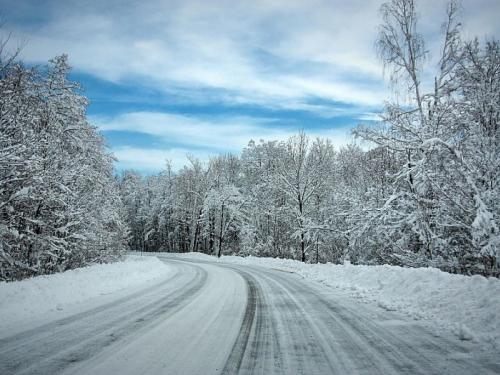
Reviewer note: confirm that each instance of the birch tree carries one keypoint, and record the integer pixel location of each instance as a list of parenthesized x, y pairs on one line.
[(438, 204)]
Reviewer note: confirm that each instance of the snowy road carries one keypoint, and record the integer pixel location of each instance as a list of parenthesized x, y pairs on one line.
[(211, 318)]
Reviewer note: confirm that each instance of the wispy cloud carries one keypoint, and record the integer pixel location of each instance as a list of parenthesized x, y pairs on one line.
[(281, 56), (176, 136), (257, 51), (211, 133), (153, 160), (262, 52)]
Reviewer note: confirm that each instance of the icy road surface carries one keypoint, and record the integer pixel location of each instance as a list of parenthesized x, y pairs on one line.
[(216, 318)]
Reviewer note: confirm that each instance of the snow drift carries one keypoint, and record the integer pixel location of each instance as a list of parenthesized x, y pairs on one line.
[(469, 306), (26, 299)]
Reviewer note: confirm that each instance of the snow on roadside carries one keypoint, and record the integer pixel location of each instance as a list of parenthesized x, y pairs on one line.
[(27, 299), (469, 306)]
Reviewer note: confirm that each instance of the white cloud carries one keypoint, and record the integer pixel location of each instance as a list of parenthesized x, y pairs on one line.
[(369, 117), (211, 133), (179, 136), (223, 45), (265, 52), (277, 54), (153, 160), (219, 133)]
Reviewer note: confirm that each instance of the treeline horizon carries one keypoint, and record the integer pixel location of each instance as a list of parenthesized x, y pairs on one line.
[(428, 194)]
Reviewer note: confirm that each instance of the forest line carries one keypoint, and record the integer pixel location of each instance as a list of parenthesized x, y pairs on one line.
[(426, 194)]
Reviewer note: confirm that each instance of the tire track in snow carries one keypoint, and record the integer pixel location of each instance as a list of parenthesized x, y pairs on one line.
[(239, 349), (256, 349), (321, 334), (52, 348), (201, 322), (195, 340), (298, 343)]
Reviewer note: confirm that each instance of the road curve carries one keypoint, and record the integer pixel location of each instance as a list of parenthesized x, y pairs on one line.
[(302, 327), (219, 318)]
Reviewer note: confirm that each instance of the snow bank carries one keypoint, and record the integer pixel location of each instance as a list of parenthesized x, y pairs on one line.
[(469, 306), (22, 300)]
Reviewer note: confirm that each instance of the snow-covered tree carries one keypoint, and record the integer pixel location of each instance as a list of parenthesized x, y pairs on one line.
[(60, 207), (427, 194), (439, 213)]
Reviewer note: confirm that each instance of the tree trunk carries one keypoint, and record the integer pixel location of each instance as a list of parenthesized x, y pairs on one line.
[(303, 247), (211, 235), (196, 232), (221, 232)]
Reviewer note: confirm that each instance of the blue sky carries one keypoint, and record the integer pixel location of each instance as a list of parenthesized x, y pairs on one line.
[(170, 78)]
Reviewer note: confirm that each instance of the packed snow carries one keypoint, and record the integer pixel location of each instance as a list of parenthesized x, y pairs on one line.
[(26, 300), (467, 305)]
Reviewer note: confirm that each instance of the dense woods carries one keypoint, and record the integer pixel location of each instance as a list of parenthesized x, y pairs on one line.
[(425, 194), (59, 201)]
